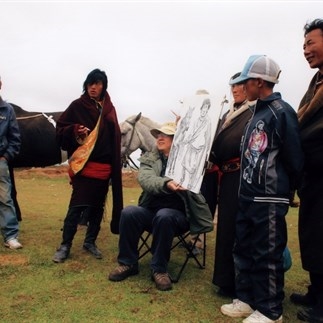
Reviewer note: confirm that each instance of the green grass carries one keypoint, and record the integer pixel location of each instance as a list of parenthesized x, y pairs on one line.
[(34, 289)]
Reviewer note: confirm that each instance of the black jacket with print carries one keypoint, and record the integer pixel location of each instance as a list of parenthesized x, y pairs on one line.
[(271, 153)]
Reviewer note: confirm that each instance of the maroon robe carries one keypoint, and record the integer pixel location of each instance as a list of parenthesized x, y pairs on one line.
[(90, 191)]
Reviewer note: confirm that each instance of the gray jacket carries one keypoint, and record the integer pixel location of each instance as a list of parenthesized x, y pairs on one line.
[(196, 208)]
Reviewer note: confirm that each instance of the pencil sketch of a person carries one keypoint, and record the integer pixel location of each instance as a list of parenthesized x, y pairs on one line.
[(198, 143), (257, 144), (178, 142)]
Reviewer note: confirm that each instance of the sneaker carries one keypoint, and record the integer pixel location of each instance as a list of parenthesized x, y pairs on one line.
[(236, 309), (13, 244), (93, 250), (61, 253), (162, 281), (257, 317), (122, 272)]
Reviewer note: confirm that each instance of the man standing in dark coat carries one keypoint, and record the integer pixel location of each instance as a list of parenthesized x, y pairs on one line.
[(90, 122), (225, 153), (310, 116)]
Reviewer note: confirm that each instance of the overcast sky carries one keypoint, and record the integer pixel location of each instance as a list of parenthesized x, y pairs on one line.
[(154, 53)]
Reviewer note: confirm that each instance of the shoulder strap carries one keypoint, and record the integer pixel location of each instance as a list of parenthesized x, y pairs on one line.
[(83, 152)]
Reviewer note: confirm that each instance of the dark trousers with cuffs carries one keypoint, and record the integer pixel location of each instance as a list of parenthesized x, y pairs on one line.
[(164, 225)]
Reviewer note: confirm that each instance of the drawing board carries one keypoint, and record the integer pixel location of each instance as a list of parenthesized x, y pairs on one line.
[(193, 140)]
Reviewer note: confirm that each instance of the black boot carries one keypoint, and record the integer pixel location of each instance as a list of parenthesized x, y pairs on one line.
[(307, 299), (70, 224), (94, 225), (93, 250), (312, 314), (62, 253)]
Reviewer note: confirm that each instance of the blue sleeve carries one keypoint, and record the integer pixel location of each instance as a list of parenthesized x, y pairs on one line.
[(13, 136)]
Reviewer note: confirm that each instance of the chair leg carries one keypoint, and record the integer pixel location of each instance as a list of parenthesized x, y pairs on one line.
[(145, 248), (144, 244), (190, 254)]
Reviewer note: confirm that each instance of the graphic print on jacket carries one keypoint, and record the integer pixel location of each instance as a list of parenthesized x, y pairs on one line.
[(257, 144)]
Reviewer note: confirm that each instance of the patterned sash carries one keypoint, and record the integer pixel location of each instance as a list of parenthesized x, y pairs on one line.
[(83, 152)]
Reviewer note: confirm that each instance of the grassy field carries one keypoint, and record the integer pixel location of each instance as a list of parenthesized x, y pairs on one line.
[(34, 289)]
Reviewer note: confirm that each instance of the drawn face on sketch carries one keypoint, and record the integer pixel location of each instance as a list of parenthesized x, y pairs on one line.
[(205, 108), (260, 125)]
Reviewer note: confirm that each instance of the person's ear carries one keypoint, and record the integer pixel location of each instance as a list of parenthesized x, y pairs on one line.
[(260, 82)]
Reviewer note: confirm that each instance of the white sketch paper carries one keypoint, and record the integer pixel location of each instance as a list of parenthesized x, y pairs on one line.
[(193, 140)]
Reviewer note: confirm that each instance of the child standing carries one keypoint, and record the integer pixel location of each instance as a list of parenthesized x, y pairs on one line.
[(271, 160)]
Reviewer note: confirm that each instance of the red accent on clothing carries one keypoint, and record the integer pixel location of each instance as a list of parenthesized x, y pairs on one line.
[(213, 169), (94, 170)]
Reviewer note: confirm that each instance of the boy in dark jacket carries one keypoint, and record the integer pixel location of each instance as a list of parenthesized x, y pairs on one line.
[(271, 160)]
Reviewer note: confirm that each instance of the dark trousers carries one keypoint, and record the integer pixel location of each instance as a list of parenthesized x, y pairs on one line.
[(74, 214), (261, 238), (164, 225), (316, 287)]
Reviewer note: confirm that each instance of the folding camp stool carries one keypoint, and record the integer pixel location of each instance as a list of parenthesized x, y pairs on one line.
[(186, 242)]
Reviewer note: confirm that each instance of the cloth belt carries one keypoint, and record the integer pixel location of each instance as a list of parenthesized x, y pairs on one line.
[(211, 168), (230, 166), (94, 170)]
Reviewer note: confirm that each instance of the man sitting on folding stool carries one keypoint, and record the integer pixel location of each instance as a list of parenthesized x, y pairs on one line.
[(165, 209)]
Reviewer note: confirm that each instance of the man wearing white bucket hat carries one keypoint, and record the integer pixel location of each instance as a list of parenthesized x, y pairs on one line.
[(165, 209)]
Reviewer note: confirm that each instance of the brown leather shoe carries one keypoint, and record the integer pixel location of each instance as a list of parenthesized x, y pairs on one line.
[(122, 272), (162, 281)]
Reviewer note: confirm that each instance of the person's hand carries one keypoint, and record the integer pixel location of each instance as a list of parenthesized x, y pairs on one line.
[(173, 186), (82, 132)]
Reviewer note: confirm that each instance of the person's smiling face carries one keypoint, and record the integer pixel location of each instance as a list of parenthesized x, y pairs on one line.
[(313, 49), (164, 143)]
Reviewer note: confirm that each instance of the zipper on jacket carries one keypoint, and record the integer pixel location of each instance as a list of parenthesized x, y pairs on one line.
[(260, 170)]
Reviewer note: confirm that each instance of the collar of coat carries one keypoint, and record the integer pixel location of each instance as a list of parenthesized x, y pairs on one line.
[(312, 100)]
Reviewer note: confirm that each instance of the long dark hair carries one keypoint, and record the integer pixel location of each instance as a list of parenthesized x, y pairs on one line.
[(94, 77)]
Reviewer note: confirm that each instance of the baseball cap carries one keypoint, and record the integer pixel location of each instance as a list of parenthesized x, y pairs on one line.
[(259, 66), (167, 128), (233, 77)]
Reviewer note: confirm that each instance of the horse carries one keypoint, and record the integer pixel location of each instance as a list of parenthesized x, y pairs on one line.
[(38, 144), (135, 134), (38, 139)]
